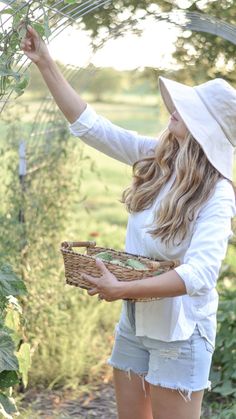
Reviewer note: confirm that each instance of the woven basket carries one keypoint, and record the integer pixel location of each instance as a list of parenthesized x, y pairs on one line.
[(77, 263)]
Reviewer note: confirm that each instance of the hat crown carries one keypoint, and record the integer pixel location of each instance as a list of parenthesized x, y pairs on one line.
[(209, 113), (219, 97)]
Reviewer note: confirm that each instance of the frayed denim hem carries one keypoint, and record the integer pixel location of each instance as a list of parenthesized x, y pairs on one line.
[(185, 393), (128, 370)]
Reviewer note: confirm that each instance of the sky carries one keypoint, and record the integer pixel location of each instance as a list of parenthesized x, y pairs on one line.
[(153, 48)]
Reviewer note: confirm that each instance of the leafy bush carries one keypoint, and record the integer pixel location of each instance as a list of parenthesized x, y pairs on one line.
[(223, 373), (225, 353), (33, 218), (13, 365)]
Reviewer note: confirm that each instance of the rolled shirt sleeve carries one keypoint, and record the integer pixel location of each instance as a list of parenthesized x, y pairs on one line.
[(208, 246), (121, 144)]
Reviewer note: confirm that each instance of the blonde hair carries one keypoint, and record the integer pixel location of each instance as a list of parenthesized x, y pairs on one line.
[(195, 181)]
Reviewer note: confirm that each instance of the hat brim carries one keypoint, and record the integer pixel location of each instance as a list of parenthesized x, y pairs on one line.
[(200, 123)]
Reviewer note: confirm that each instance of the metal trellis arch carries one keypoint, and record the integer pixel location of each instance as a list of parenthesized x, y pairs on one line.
[(60, 14)]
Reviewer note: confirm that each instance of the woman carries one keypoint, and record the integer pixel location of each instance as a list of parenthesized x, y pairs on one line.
[(181, 202)]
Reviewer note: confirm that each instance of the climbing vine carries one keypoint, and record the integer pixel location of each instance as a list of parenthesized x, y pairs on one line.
[(15, 14), (14, 18), (14, 354)]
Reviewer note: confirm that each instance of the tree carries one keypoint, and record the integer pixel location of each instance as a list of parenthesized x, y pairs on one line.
[(206, 55), (100, 81), (201, 54)]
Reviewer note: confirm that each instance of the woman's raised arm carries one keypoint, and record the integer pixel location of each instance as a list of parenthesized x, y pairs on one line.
[(67, 99), (96, 131)]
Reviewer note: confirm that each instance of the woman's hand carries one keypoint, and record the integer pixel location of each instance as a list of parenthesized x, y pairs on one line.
[(107, 286), (66, 98), (34, 47)]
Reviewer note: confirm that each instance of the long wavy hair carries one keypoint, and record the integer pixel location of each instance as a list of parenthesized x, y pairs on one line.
[(195, 181)]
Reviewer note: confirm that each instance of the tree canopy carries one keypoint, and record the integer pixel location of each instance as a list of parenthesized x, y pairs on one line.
[(199, 53)]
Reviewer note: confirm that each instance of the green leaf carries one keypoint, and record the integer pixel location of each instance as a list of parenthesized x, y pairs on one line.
[(135, 264), (10, 283), (12, 322), (7, 406), (24, 81), (24, 359), (22, 32), (38, 27), (47, 30), (7, 12), (3, 303), (21, 85), (226, 389), (8, 361), (215, 376), (8, 379), (16, 20), (9, 72)]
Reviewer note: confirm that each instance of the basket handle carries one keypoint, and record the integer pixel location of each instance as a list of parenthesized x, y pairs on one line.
[(69, 245)]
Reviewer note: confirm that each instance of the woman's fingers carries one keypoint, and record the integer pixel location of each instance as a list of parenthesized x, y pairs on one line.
[(102, 266), (31, 31), (92, 291), (26, 45), (33, 45), (91, 279)]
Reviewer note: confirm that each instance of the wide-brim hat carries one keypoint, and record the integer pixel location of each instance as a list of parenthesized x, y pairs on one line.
[(209, 112)]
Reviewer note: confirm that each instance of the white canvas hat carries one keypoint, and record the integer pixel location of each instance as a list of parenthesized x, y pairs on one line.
[(209, 112)]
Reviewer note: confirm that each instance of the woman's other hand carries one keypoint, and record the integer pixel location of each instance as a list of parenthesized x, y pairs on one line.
[(34, 47), (106, 286)]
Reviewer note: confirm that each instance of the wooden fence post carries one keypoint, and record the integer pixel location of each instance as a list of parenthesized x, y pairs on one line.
[(22, 174)]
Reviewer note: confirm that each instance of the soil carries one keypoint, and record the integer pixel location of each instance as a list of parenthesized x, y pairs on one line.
[(59, 404), (54, 404)]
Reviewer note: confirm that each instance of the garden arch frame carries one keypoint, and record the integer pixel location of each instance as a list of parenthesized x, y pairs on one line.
[(60, 14), (57, 17)]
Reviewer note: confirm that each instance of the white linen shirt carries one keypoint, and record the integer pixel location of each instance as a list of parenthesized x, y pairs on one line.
[(200, 253)]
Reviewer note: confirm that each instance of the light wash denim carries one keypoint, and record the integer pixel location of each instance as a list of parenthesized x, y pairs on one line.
[(182, 365)]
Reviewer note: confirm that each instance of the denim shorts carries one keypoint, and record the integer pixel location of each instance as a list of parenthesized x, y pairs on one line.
[(182, 365)]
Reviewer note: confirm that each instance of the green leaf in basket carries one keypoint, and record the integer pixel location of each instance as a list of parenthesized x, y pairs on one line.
[(136, 264), (117, 262), (104, 256)]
